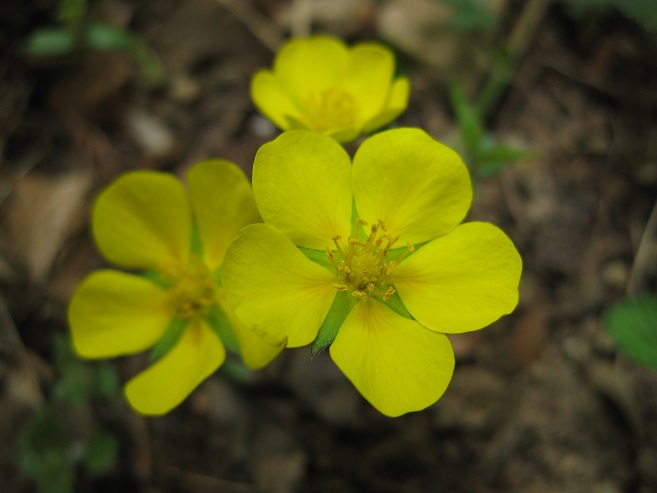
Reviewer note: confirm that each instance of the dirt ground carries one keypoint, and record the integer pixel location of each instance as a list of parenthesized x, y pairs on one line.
[(541, 401)]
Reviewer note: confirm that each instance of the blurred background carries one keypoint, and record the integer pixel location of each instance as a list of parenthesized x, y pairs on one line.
[(553, 106)]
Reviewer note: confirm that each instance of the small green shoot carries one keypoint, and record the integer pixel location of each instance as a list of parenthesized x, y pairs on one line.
[(483, 154)]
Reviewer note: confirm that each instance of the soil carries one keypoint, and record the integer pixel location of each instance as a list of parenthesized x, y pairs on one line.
[(541, 401)]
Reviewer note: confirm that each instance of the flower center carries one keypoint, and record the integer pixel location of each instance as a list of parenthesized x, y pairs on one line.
[(363, 267), (329, 109), (192, 288)]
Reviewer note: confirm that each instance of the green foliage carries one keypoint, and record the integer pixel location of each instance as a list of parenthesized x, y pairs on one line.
[(74, 35), (632, 323), (49, 452), (643, 12), (471, 15), (483, 154)]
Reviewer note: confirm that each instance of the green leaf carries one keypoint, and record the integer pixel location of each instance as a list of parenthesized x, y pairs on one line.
[(51, 42), (468, 120), (106, 381), (101, 37), (632, 323), (342, 305), (100, 454), (45, 452)]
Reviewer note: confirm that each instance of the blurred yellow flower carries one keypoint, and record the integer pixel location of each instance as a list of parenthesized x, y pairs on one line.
[(320, 84), (147, 221), (316, 272)]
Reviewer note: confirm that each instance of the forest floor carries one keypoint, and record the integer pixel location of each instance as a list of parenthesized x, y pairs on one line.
[(541, 401)]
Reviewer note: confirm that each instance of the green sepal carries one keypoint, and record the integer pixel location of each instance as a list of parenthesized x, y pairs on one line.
[(341, 307), (169, 338), (396, 305), (156, 278), (317, 256), (218, 322)]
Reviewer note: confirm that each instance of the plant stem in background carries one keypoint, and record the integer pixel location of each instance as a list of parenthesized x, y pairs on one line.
[(516, 47)]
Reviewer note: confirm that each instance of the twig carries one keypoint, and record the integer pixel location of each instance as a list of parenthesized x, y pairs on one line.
[(261, 27), (516, 47), (644, 253)]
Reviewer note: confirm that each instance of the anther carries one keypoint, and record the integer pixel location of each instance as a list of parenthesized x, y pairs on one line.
[(340, 287), (359, 294), (389, 293), (370, 288), (391, 267)]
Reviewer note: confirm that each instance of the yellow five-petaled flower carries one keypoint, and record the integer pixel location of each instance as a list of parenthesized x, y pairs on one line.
[(371, 259), (321, 84), (147, 221)]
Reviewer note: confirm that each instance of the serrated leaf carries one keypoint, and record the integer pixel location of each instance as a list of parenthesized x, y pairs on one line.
[(632, 323)]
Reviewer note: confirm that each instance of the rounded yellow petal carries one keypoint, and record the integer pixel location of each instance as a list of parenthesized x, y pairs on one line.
[(274, 289), (271, 100), (255, 352), (418, 187), (302, 186), (165, 384), (462, 281), (398, 365), (306, 65), (143, 220), (223, 204), (368, 79), (112, 313), (395, 105)]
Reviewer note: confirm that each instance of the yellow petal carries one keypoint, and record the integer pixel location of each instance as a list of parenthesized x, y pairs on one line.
[(418, 187), (165, 384), (306, 65), (274, 289), (395, 106), (143, 220), (398, 365), (462, 281), (368, 79), (223, 204), (271, 100), (112, 313), (255, 352), (302, 186)]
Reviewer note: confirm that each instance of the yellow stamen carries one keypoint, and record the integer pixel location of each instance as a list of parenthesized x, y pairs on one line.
[(363, 267)]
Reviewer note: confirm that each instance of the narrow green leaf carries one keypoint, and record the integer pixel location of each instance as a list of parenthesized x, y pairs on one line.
[(49, 42), (468, 120), (342, 305), (632, 323)]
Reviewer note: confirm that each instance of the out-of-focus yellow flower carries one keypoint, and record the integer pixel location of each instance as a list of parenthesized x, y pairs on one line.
[(327, 268), (147, 221), (321, 84)]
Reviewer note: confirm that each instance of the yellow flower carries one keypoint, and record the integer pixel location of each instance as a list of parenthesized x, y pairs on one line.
[(147, 221), (321, 84), (370, 258)]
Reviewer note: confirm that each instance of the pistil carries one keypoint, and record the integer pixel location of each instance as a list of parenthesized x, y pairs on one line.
[(363, 267)]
